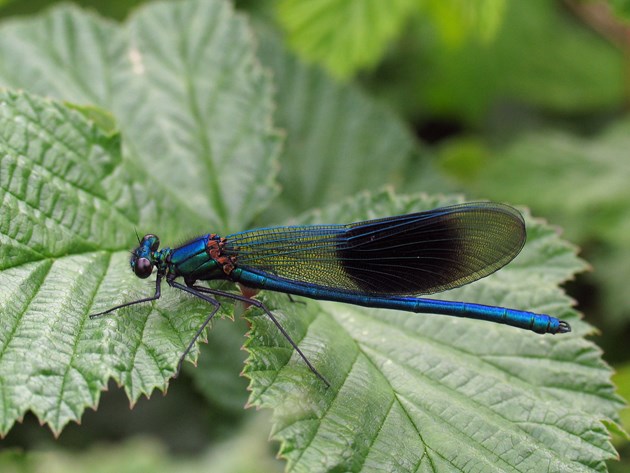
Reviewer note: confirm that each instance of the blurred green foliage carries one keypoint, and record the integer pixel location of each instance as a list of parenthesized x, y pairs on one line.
[(622, 7), (525, 102)]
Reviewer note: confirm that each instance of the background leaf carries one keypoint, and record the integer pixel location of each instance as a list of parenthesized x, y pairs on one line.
[(346, 36), (143, 454), (457, 19), (621, 7), (539, 58), (221, 363), (622, 380), (179, 99), (343, 34), (332, 130)]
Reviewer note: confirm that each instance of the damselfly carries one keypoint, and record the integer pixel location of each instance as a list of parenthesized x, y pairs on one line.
[(380, 263)]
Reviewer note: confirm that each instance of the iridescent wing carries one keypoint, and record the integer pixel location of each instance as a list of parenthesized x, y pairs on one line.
[(418, 253)]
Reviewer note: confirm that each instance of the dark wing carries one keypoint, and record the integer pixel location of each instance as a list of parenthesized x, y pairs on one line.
[(418, 253)]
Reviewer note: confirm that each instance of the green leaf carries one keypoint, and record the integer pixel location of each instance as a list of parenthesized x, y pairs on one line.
[(181, 81), (118, 9), (220, 364), (343, 35), (68, 204), (540, 57), (621, 7), (199, 152), (456, 20), (622, 381), (332, 131), (414, 392), (146, 454), (346, 36), (102, 118), (572, 180)]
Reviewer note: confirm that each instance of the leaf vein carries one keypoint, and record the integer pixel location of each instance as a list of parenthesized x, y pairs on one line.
[(18, 320), (508, 424)]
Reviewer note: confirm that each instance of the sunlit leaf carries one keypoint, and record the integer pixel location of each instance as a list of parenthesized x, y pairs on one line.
[(457, 20), (181, 81), (343, 35)]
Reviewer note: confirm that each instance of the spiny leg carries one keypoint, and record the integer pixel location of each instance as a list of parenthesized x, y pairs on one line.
[(156, 296), (195, 292), (262, 306)]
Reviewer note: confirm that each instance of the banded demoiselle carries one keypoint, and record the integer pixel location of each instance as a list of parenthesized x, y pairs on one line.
[(380, 263)]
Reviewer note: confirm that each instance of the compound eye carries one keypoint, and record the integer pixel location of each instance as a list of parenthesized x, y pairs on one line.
[(143, 268), (155, 241)]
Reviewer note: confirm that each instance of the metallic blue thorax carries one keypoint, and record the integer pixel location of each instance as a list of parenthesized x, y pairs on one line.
[(193, 261)]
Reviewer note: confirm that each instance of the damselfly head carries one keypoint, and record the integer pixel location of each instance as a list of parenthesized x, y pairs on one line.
[(143, 258)]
